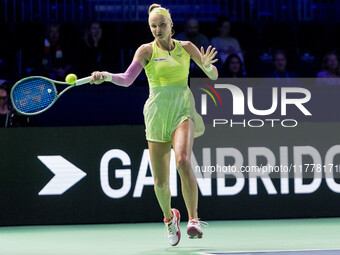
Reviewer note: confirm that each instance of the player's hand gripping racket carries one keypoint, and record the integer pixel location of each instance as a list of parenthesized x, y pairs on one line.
[(36, 94)]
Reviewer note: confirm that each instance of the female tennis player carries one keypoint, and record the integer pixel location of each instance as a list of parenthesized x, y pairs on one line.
[(169, 113)]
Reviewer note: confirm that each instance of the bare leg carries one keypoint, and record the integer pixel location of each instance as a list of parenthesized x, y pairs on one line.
[(182, 142), (160, 161)]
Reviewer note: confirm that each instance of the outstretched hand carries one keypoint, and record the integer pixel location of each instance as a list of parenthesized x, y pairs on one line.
[(207, 58)]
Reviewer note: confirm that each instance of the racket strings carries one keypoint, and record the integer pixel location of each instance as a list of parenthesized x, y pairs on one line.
[(33, 95)]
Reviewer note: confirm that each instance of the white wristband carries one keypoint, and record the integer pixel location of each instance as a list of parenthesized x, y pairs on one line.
[(208, 69), (108, 76)]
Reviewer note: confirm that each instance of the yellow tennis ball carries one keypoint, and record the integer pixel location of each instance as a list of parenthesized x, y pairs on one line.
[(71, 78)]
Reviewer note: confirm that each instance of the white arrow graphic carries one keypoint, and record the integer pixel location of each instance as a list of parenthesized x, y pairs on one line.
[(66, 175)]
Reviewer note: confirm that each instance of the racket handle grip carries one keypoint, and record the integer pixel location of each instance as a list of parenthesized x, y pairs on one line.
[(83, 80)]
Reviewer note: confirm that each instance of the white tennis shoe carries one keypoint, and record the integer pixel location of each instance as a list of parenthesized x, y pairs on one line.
[(174, 233), (194, 228)]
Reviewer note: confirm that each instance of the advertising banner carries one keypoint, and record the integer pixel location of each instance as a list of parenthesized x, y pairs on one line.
[(269, 151)]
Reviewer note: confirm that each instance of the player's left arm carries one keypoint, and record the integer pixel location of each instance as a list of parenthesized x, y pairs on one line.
[(204, 60)]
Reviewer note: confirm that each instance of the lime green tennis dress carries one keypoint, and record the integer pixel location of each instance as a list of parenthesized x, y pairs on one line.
[(170, 100)]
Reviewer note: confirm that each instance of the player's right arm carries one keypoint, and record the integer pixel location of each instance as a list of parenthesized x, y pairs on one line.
[(141, 59)]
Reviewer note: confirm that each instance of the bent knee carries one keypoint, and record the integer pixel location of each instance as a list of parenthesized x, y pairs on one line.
[(183, 161)]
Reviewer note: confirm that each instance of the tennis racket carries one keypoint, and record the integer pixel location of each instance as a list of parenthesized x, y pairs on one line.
[(36, 94)]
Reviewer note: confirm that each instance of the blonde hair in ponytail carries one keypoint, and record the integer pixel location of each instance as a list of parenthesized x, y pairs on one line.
[(153, 6)]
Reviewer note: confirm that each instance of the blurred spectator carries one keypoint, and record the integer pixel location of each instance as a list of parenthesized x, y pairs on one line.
[(94, 51), (330, 66), (330, 70), (4, 110), (225, 44), (280, 65), (191, 34), (57, 57), (8, 117), (232, 67)]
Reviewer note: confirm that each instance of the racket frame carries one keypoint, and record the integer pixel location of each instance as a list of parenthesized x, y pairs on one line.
[(77, 83)]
